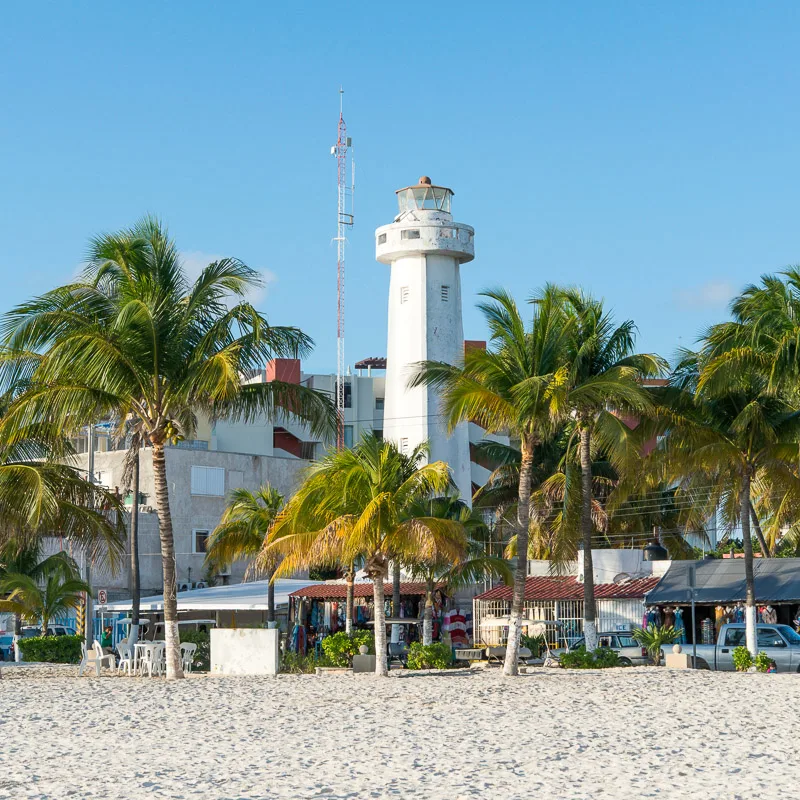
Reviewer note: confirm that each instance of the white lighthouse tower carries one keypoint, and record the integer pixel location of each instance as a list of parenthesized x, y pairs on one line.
[(425, 249)]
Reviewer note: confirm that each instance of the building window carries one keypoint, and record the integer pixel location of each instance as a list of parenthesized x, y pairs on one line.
[(208, 481), (348, 393), (404, 294), (412, 234), (445, 293), (199, 540), (348, 435), (404, 445), (382, 238), (378, 433), (379, 403)]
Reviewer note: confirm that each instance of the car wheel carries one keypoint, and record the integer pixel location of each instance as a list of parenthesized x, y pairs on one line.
[(625, 662)]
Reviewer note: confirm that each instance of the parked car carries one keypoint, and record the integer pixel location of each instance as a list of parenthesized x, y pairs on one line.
[(780, 642), (630, 652), (52, 630)]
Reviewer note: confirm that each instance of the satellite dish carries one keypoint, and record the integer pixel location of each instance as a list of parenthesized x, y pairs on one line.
[(622, 577), (538, 629)]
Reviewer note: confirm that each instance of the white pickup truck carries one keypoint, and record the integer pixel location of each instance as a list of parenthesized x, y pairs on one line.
[(780, 642)]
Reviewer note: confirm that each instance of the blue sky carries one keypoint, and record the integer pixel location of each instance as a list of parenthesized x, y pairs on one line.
[(645, 151)]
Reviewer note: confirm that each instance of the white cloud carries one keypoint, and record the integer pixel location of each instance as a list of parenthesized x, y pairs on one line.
[(712, 294), (195, 261)]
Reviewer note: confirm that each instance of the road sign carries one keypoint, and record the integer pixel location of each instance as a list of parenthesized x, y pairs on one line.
[(102, 597)]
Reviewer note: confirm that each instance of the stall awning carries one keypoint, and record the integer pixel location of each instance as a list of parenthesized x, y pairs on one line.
[(777, 580), (569, 588), (338, 590), (251, 596)]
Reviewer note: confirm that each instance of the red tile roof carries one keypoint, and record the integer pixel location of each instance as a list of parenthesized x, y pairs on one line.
[(338, 591), (541, 588)]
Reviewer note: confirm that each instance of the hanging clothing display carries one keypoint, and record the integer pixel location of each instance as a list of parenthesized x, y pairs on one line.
[(680, 626), (707, 635), (770, 615)]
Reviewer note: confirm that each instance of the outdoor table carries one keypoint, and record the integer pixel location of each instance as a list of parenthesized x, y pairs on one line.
[(138, 650)]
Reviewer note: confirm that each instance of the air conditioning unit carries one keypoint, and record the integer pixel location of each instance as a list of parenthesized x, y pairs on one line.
[(200, 585), (184, 587), (146, 509)]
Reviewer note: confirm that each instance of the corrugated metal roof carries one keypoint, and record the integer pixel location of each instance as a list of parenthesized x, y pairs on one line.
[(569, 588), (338, 591), (777, 580)]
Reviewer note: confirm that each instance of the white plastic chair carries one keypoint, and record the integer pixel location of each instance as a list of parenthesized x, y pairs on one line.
[(188, 650), (98, 659), (148, 660), (125, 658)]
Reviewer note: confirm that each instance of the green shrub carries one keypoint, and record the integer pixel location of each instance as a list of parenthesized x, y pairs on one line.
[(339, 648), (654, 637), (53, 649), (742, 659), (763, 662), (202, 656), (296, 664), (580, 658), (429, 656)]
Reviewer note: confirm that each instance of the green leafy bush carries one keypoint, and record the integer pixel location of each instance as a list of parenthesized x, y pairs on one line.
[(580, 658), (430, 656), (202, 656), (763, 662), (339, 648), (654, 637), (53, 649), (296, 664), (742, 659)]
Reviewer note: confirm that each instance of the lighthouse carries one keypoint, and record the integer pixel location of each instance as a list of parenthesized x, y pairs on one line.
[(425, 250)]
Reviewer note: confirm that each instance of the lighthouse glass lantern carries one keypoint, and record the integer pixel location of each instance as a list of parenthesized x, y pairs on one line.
[(424, 197)]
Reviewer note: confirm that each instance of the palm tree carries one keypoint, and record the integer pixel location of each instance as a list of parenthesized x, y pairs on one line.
[(242, 532), (52, 588), (133, 339), (355, 504), (603, 377), (510, 388), (473, 565), (729, 436)]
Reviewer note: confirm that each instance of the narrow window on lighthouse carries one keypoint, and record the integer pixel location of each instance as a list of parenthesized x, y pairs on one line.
[(403, 294), (445, 293), (404, 445)]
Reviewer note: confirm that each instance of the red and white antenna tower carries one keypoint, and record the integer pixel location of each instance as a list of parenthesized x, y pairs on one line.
[(344, 220)]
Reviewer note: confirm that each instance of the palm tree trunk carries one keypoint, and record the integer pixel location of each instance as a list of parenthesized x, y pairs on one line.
[(173, 648), (349, 577), (762, 542), (271, 597), (396, 599), (750, 587), (427, 622), (589, 605), (381, 667), (136, 592), (510, 667)]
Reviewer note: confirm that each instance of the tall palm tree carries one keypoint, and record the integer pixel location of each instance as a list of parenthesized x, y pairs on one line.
[(50, 589), (134, 339), (242, 531), (473, 565), (603, 377), (510, 388), (729, 436), (355, 504)]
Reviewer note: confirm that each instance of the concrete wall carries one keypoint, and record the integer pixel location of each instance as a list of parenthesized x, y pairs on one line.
[(245, 651), (189, 512)]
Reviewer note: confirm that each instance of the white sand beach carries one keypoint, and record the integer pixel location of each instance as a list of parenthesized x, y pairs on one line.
[(626, 733)]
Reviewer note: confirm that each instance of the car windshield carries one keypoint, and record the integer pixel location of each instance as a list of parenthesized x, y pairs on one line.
[(789, 634)]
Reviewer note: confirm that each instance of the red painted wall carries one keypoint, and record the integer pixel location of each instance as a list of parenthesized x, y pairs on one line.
[(284, 369)]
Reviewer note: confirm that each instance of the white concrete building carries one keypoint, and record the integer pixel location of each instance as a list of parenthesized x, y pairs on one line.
[(425, 249)]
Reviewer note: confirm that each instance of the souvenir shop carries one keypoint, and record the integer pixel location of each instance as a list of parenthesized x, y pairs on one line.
[(720, 595), (319, 610)]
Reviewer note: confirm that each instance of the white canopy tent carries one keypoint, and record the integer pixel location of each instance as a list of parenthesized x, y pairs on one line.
[(251, 596)]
